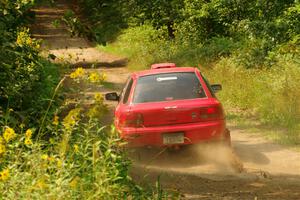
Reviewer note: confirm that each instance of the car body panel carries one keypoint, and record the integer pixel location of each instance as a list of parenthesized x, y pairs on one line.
[(161, 118), (193, 133), (172, 112)]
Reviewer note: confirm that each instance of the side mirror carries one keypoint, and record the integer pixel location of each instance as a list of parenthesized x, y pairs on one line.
[(216, 87), (113, 96)]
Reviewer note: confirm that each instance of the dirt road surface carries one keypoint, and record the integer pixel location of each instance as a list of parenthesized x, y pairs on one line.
[(270, 171), (204, 172)]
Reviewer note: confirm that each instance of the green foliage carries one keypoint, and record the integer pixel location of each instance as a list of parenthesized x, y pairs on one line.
[(16, 49), (76, 27), (270, 95), (12, 13), (20, 67), (138, 43), (90, 164), (144, 45), (26, 80), (161, 14), (79, 160), (257, 27), (108, 17)]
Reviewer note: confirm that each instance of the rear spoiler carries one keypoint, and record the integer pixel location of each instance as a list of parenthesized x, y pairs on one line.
[(163, 65)]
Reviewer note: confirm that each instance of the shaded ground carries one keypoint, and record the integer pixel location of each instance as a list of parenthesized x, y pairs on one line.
[(57, 40), (73, 51), (203, 172)]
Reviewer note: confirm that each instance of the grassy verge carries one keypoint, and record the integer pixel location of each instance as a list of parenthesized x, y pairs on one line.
[(268, 93), (68, 155), (253, 126), (144, 45), (268, 96), (48, 148)]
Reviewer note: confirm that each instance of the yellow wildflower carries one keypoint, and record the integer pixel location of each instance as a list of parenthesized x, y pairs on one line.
[(19, 41), (93, 112), (4, 175), (74, 182), (2, 146), (98, 98), (41, 184), (94, 77), (44, 157), (70, 120), (59, 163), (28, 141), (22, 125), (51, 159), (9, 134), (29, 41), (28, 133), (55, 120), (2, 149), (23, 38), (76, 148), (103, 77), (79, 72), (73, 75), (97, 111), (52, 140)]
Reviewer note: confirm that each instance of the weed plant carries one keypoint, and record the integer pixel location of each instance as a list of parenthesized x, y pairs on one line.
[(79, 158)]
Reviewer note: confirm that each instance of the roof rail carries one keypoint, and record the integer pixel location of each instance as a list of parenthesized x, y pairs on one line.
[(163, 65)]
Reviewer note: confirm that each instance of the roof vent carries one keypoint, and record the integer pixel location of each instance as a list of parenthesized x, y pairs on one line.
[(163, 65)]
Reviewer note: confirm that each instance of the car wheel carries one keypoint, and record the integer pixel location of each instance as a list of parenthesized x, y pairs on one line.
[(235, 162), (227, 138)]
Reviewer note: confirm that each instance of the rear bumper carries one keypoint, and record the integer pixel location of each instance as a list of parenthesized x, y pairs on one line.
[(193, 133)]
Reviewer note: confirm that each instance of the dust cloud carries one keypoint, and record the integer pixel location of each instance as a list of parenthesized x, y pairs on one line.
[(196, 159)]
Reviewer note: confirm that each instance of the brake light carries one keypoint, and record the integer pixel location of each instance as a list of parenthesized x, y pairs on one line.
[(211, 110), (163, 65), (211, 113), (134, 120)]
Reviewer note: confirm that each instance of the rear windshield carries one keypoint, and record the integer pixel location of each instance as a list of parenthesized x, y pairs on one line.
[(168, 87)]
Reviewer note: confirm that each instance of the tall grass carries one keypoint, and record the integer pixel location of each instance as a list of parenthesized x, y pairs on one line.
[(71, 156), (271, 93), (144, 45)]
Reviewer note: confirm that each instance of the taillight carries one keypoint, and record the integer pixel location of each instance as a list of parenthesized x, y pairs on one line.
[(134, 120), (211, 113)]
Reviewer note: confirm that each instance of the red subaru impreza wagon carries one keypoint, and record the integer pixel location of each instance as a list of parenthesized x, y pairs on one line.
[(169, 106)]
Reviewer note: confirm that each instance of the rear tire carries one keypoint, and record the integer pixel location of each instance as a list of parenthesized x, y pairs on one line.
[(235, 162), (227, 138)]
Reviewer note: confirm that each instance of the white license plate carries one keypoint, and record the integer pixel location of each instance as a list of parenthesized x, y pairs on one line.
[(173, 138)]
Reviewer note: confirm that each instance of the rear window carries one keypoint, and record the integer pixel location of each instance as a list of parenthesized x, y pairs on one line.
[(168, 87)]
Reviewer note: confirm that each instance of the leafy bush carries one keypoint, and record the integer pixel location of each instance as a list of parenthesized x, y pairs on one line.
[(138, 43), (20, 67), (108, 17), (144, 45), (259, 28), (26, 80), (79, 160), (86, 161)]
